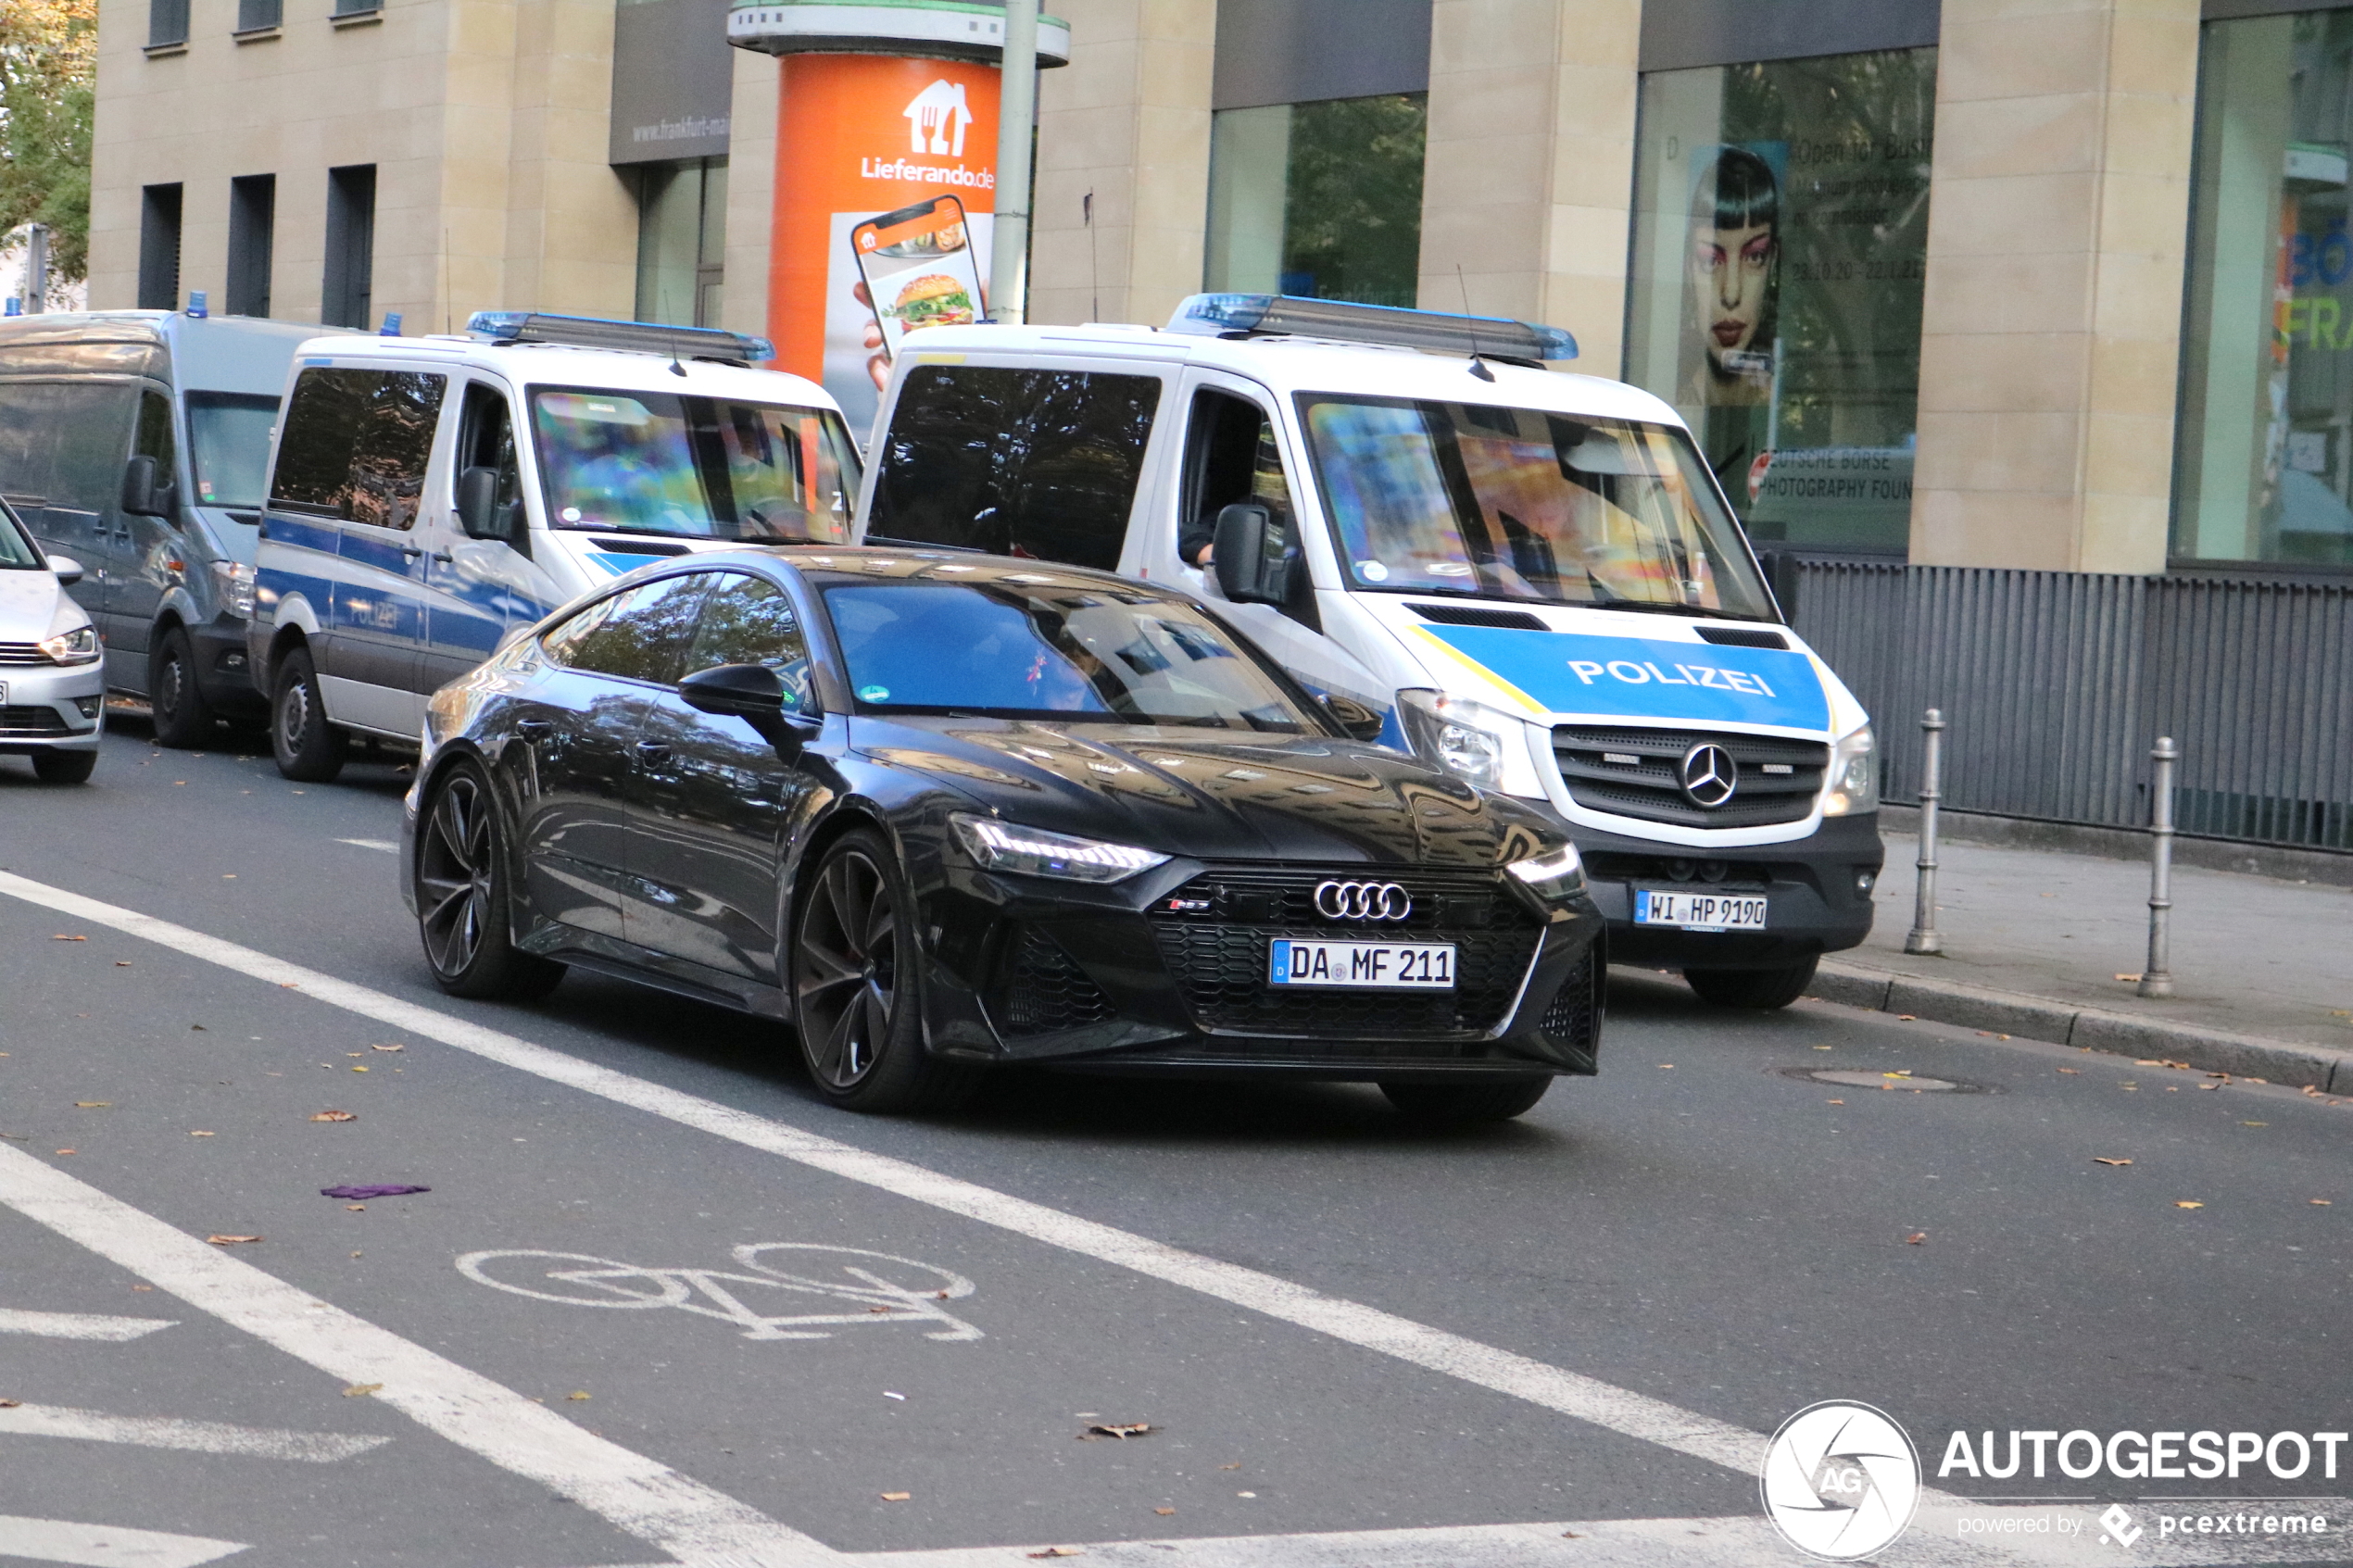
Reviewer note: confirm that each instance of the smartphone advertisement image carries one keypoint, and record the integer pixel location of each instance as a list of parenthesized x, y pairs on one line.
[(918, 270)]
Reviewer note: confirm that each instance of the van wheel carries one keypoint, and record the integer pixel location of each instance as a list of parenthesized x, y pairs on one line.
[(1757, 990), (308, 749), (1497, 1099), (183, 718), (465, 898), (64, 767)]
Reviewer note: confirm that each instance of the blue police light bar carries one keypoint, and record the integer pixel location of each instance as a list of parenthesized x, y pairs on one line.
[(1266, 315), (629, 337)]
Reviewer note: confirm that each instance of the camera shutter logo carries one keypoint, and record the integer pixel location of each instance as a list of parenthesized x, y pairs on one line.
[(1709, 775), (1840, 1480), (1363, 900)]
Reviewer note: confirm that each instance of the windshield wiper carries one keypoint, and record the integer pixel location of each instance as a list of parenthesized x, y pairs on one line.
[(1653, 607)]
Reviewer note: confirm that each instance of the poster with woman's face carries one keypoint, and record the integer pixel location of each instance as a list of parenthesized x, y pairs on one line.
[(1734, 264)]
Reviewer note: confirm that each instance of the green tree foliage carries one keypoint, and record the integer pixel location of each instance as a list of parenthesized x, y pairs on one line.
[(49, 75)]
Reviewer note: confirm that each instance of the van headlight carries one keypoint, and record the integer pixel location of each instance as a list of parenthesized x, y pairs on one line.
[(77, 645), (1475, 743), (1552, 876), (1854, 779), (1007, 847), (235, 578)]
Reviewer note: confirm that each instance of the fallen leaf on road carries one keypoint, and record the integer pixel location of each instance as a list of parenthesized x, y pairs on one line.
[(2072, 1071), (1230, 1467), (386, 1190), (1164, 1512), (93, 1105), (896, 1497), (1052, 1550), (69, 1151), (578, 1394), (1838, 1102), (230, 1240), (9, 1404), (2209, 1086), (122, 963), (1666, 1067), (1245, 1493), (1907, 1018), (2321, 1201), (2255, 1123), (387, 1048), (68, 938), (879, 1308), (2311, 1090), (2134, 976), (356, 1208), (334, 1116), (1916, 1238), (2185, 1203), (361, 1390), (359, 1070), (2103, 1160), (200, 1135), (1122, 1430)]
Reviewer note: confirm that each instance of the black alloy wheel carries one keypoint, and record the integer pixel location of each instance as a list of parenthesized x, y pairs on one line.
[(856, 981), (1488, 1099), (306, 747), (1757, 990), (183, 718), (463, 905)]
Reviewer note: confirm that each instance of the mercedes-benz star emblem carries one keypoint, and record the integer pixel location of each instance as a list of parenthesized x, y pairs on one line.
[(1709, 775), (1363, 900)]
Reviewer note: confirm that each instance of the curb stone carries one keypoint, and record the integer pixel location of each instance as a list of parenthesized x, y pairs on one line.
[(2036, 1017)]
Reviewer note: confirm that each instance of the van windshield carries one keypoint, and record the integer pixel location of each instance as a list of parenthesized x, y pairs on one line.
[(1524, 503), (229, 446), (696, 467)]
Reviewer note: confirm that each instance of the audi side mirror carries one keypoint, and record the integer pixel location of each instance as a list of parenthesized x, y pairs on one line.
[(1246, 573), (754, 693), (145, 493), (1355, 719), (478, 511)]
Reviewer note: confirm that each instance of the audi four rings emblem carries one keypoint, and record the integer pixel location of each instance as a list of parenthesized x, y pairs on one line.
[(1363, 900), (1709, 775)]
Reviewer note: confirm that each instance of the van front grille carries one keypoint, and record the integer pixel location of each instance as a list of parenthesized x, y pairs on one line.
[(1637, 772)]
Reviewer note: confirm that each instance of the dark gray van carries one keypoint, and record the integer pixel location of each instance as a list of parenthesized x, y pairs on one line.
[(137, 442)]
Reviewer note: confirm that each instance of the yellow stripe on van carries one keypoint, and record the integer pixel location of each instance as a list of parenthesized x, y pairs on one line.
[(1532, 708)]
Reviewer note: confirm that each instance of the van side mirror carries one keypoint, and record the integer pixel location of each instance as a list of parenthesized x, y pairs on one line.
[(755, 694), (1245, 573), (478, 511), (1356, 721), (144, 494)]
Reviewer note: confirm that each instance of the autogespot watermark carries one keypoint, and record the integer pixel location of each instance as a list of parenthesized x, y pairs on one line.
[(1842, 1480)]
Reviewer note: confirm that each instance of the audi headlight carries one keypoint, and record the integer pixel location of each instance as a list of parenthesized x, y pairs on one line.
[(1853, 781), (1007, 847), (77, 645), (235, 578), (1471, 741), (1557, 875)]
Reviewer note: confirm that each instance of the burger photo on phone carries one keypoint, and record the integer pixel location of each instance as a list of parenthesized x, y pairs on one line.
[(934, 300)]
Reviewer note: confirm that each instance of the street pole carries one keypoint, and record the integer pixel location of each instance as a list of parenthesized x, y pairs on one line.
[(1923, 937), (2157, 979), (1017, 113), (36, 269)]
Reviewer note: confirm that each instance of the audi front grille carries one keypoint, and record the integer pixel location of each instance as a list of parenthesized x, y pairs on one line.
[(1637, 772)]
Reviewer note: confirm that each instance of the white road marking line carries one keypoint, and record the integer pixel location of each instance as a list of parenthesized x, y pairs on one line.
[(105, 1546), (77, 1326), (1505, 1371), (387, 845), (648, 1500), (197, 1436)]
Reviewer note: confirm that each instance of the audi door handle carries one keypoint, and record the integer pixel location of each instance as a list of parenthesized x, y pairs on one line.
[(535, 729), (653, 751)]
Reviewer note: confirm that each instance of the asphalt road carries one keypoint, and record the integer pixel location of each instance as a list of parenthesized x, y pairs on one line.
[(1353, 1342)]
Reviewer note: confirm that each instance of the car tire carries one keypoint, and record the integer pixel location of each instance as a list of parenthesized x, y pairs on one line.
[(856, 974), (64, 767), (1494, 1099), (183, 718), (465, 900), (308, 749), (1757, 990)]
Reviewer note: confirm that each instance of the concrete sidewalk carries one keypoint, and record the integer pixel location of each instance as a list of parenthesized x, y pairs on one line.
[(2035, 939)]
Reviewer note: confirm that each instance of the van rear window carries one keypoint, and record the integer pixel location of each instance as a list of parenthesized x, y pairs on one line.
[(356, 443)]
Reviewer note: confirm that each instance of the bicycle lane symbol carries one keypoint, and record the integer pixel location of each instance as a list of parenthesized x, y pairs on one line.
[(876, 1282)]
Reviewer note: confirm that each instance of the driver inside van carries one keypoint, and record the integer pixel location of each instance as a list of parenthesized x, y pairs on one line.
[(1268, 487)]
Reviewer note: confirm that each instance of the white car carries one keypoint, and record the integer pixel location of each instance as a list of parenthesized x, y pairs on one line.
[(53, 686)]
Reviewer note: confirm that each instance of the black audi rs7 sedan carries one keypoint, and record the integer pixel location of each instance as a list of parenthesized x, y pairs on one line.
[(941, 812)]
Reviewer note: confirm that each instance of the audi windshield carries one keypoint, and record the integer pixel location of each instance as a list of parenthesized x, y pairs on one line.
[(694, 468), (1005, 649), (1466, 499)]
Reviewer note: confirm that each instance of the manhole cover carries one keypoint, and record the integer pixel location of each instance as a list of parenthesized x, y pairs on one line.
[(1900, 1082)]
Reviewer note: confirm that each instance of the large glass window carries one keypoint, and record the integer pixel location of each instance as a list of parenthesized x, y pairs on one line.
[(1780, 237), (681, 241), (1321, 200), (2265, 449), (229, 436), (356, 444)]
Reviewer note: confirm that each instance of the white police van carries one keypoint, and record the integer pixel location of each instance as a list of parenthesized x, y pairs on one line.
[(1527, 577), (428, 496)]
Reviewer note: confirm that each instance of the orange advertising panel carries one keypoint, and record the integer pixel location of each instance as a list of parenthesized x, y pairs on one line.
[(875, 143)]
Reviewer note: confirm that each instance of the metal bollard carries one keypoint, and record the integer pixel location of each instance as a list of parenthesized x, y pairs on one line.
[(1923, 937), (2157, 979)]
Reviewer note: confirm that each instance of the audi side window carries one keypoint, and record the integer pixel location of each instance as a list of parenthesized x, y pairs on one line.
[(749, 619), (356, 444), (640, 634)]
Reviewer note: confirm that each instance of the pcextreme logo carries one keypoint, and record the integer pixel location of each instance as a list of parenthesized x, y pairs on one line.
[(1840, 1480)]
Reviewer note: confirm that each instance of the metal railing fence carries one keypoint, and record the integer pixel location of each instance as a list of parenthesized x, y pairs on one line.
[(2053, 683)]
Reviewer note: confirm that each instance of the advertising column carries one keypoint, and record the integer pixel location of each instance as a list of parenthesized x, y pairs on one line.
[(885, 177)]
